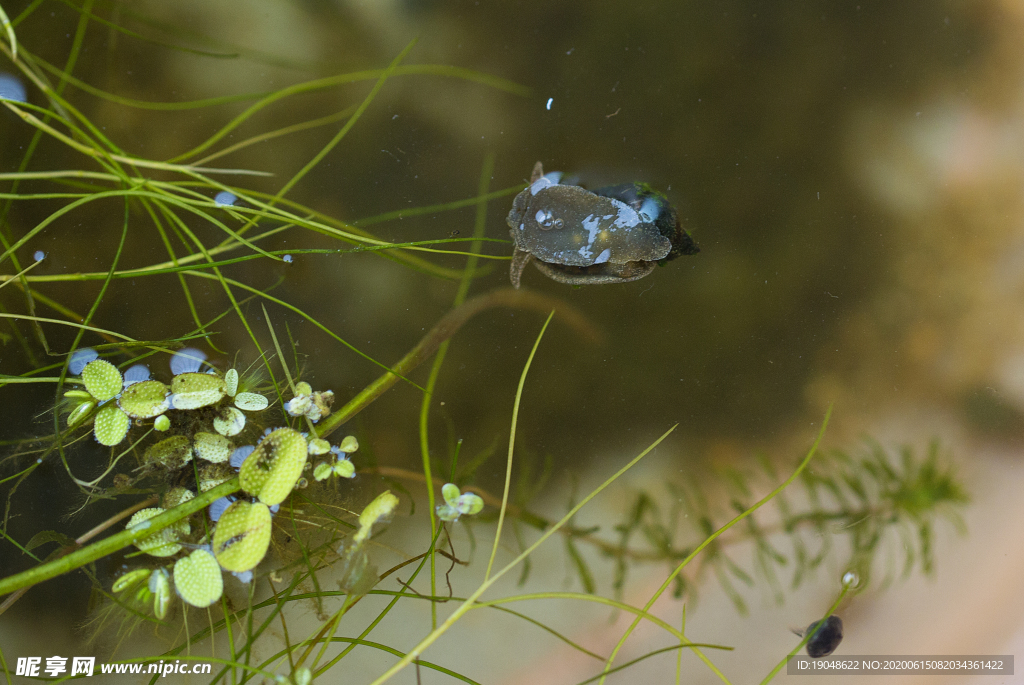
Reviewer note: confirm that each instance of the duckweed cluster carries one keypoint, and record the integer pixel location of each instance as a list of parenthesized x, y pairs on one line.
[(196, 420)]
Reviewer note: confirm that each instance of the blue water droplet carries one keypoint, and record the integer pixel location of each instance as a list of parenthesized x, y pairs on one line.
[(39, 255), (287, 259)]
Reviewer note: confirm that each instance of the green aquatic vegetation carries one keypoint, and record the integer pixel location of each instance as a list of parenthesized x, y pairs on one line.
[(211, 463), (198, 579), (242, 536)]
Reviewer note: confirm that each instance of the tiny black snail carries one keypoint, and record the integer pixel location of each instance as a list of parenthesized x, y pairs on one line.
[(825, 636)]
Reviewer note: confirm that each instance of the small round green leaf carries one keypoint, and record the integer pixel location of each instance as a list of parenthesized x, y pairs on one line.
[(323, 471), (162, 544), (242, 536), (229, 422), (272, 470), (250, 401), (161, 423), (195, 390), (344, 468), (212, 447), (170, 453), (102, 380), (470, 503), (144, 400), (110, 425), (318, 446), (450, 492), (198, 579)]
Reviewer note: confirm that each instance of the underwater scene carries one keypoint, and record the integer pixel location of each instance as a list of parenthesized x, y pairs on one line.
[(412, 341)]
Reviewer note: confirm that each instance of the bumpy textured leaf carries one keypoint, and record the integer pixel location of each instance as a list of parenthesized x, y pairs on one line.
[(229, 422), (110, 425), (171, 453), (250, 401), (198, 579), (212, 447), (195, 390), (162, 544), (231, 382), (102, 380), (271, 471), (144, 400), (176, 496), (242, 536), (212, 475)]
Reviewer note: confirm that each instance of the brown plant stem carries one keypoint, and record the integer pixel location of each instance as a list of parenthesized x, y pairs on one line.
[(449, 324)]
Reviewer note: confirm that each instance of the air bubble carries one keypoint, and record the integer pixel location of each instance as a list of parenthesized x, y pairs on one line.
[(547, 220)]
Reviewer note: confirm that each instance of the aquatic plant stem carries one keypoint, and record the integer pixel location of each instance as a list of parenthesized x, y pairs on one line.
[(807, 636), (512, 445), (449, 324), (470, 602), (318, 157), (444, 329), (711, 538), (81, 540), (10, 34), (460, 296), (109, 545)]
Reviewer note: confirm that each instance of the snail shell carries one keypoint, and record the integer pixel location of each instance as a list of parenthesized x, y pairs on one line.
[(825, 636)]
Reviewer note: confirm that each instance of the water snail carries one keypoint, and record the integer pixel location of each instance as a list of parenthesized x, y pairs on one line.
[(825, 636), (572, 235)]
